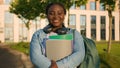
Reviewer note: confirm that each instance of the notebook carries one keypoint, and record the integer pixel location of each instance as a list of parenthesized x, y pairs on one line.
[(58, 49)]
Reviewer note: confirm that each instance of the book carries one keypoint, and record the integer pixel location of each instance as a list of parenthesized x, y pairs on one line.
[(58, 47)]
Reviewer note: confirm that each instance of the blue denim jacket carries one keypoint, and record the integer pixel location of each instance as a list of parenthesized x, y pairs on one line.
[(41, 61)]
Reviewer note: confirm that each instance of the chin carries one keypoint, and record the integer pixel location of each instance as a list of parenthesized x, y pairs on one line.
[(56, 25)]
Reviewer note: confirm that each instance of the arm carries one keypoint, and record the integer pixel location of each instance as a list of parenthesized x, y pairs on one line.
[(36, 56), (77, 55)]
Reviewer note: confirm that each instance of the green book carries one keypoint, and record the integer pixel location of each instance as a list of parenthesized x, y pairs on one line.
[(62, 37)]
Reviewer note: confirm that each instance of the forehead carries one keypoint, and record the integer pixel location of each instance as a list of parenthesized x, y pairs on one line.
[(55, 7)]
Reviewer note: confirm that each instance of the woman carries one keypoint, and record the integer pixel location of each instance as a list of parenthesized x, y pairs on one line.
[(55, 14)]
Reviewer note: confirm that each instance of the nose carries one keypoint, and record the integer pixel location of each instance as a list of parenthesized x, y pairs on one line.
[(56, 16)]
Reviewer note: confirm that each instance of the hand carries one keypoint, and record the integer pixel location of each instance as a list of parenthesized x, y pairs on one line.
[(53, 64)]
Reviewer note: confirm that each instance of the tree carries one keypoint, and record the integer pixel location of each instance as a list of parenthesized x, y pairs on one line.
[(27, 10), (109, 5)]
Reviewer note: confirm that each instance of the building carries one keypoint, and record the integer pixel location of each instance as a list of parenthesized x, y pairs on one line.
[(90, 19)]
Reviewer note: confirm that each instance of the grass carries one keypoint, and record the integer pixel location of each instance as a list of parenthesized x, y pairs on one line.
[(21, 46), (111, 60)]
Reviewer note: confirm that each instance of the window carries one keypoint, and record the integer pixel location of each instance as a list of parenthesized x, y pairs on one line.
[(72, 19), (92, 5), (102, 7), (82, 20), (93, 20), (113, 28), (83, 7), (8, 34), (93, 34), (7, 1), (103, 21), (22, 31), (83, 24), (8, 17), (93, 27)]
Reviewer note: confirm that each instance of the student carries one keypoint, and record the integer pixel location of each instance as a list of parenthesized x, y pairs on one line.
[(55, 14)]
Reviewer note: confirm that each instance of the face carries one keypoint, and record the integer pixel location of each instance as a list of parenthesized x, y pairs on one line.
[(56, 15)]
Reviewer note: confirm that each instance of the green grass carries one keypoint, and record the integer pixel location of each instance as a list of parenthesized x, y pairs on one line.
[(111, 60), (21, 46)]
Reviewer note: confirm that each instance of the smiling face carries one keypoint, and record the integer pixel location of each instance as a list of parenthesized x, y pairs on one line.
[(56, 15)]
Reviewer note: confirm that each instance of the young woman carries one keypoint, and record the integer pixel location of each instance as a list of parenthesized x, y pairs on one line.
[(55, 14)]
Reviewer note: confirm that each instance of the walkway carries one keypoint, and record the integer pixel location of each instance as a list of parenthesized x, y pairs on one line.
[(13, 59)]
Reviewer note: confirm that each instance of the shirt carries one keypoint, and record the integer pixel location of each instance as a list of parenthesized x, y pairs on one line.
[(39, 59)]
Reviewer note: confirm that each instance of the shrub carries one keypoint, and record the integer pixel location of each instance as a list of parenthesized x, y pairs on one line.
[(21, 46)]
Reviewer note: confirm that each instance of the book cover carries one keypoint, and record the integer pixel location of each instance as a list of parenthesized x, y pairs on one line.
[(59, 46)]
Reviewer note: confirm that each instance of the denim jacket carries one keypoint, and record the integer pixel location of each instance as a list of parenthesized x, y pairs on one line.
[(41, 61)]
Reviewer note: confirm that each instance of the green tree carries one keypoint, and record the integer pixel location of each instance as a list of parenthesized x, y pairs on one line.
[(109, 5), (27, 10)]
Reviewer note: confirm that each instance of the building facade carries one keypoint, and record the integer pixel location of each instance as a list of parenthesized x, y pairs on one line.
[(90, 20)]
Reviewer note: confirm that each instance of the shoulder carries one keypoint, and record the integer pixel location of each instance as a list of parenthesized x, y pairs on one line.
[(39, 32), (73, 31)]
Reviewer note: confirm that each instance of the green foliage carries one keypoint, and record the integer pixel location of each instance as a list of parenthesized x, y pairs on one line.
[(21, 46), (111, 60), (109, 4), (80, 2), (27, 9)]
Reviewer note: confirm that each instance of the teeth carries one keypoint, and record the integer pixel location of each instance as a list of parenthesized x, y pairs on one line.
[(55, 20)]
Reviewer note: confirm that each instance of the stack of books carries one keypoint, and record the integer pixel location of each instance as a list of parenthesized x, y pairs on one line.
[(59, 46)]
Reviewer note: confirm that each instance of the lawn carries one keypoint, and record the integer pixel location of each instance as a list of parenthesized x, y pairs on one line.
[(111, 60), (21, 46)]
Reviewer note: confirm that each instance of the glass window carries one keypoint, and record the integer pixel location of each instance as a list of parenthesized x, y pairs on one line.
[(102, 7), (8, 17), (93, 20), (103, 21), (113, 28), (93, 34), (8, 34), (93, 27), (83, 24), (92, 5), (7, 1), (72, 19), (22, 31), (83, 20), (83, 7)]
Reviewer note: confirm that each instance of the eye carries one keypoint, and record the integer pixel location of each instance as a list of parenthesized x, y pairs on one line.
[(51, 13), (60, 13)]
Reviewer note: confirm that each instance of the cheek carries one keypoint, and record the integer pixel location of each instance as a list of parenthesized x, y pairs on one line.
[(62, 18)]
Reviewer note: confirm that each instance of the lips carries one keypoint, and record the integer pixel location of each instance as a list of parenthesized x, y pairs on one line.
[(55, 21)]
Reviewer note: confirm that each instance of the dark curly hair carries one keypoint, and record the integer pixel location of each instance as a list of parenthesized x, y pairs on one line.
[(55, 3)]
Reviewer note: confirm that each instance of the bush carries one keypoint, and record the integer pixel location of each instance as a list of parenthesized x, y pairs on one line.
[(21, 46)]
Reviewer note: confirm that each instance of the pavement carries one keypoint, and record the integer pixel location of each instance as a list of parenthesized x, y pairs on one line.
[(10, 58)]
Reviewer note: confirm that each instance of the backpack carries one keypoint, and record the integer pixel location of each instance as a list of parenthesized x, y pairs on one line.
[(91, 59)]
